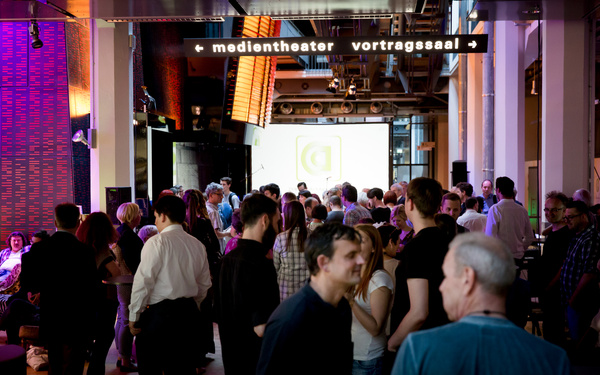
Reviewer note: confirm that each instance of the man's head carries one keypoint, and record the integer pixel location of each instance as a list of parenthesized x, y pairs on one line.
[(214, 193), (226, 184), (332, 251), (466, 190), (16, 241), (576, 215), (472, 204), (319, 212), (397, 188), (349, 195), (476, 268), (259, 212), (554, 207), (66, 216), (335, 202), (374, 195), (505, 187), (309, 204), (302, 186), (169, 210), (583, 195), (451, 205), (487, 187), (272, 191), (424, 197)]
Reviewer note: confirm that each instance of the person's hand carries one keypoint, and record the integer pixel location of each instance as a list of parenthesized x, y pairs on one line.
[(33, 298), (133, 329)]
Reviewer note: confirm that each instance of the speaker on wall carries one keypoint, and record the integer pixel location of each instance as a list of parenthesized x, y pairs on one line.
[(459, 172), (116, 196)]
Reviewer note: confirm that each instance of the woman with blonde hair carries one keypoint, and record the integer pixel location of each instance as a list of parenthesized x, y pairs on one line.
[(371, 302), (128, 253), (398, 218)]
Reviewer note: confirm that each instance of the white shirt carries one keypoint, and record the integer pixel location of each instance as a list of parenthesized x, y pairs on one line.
[(173, 265), (235, 200), (367, 347), (509, 222), (13, 259), (472, 220)]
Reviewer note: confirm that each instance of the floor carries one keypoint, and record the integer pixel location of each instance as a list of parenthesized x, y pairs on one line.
[(214, 367)]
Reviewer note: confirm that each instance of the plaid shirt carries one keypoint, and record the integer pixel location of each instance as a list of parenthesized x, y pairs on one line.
[(292, 271), (582, 257), (4, 254), (354, 213)]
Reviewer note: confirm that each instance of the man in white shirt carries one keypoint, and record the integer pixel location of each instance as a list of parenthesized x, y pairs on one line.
[(471, 219), (170, 283), (509, 221)]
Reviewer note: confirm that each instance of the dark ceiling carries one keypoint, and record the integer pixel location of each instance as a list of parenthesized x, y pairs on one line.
[(135, 9)]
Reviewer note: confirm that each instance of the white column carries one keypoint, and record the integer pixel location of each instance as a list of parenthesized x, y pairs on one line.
[(474, 155), (453, 128), (566, 161), (112, 109), (509, 106)]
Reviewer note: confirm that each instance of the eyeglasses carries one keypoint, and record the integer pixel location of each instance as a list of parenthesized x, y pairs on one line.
[(553, 210), (571, 217)]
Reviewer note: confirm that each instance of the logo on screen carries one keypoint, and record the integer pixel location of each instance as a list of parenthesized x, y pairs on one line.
[(318, 157)]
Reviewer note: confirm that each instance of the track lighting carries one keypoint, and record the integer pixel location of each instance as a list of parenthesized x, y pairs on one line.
[(351, 93), (34, 32), (333, 85)]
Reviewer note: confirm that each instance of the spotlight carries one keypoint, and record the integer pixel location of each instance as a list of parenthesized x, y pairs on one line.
[(79, 137), (351, 93), (34, 32), (150, 100), (347, 107), (286, 108), (316, 108), (333, 85), (376, 107)]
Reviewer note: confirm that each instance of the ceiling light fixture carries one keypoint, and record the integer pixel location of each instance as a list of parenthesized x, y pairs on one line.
[(34, 32), (351, 93)]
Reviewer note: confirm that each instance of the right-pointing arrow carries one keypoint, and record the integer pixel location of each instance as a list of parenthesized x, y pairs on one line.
[(473, 44)]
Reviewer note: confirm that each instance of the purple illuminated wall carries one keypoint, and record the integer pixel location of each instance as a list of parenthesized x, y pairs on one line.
[(35, 131)]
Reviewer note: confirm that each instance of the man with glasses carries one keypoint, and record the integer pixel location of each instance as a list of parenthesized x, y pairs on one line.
[(214, 195), (578, 276), (555, 251)]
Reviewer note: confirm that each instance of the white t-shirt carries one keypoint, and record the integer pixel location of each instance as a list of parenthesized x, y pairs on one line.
[(367, 347), (12, 261)]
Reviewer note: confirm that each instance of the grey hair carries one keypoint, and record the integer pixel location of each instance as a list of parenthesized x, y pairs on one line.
[(489, 257), (362, 198), (213, 187)]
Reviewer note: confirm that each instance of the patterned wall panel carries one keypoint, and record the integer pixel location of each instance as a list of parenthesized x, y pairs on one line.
[(35, 132)]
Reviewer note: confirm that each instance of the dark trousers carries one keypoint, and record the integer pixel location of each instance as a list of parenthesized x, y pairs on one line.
[(104, 334), (18, 313), (66, 358), (168, 338)]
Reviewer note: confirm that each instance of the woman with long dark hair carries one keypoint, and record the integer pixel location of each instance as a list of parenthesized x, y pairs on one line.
[(288, 251), (199, 226), (98, 232), (370, 302)]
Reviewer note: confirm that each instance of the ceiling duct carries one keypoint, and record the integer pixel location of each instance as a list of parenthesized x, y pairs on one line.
[(376, 107), (347, 107), (286, 108), (316, 108)]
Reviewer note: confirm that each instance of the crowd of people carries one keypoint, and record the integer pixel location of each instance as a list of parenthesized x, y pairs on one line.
[(412, 280)]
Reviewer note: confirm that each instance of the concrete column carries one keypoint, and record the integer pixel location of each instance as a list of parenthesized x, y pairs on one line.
[(112, 109), (566, 142), (509, 108), (474, 155), (453, 127)]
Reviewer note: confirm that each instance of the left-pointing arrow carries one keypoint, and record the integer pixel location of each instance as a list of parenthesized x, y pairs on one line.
[(198, 48), (473, 44)]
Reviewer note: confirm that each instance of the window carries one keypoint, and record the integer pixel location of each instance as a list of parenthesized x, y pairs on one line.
[(408, 162)]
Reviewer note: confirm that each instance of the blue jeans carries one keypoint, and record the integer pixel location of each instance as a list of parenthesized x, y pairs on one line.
[(370, 367)]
